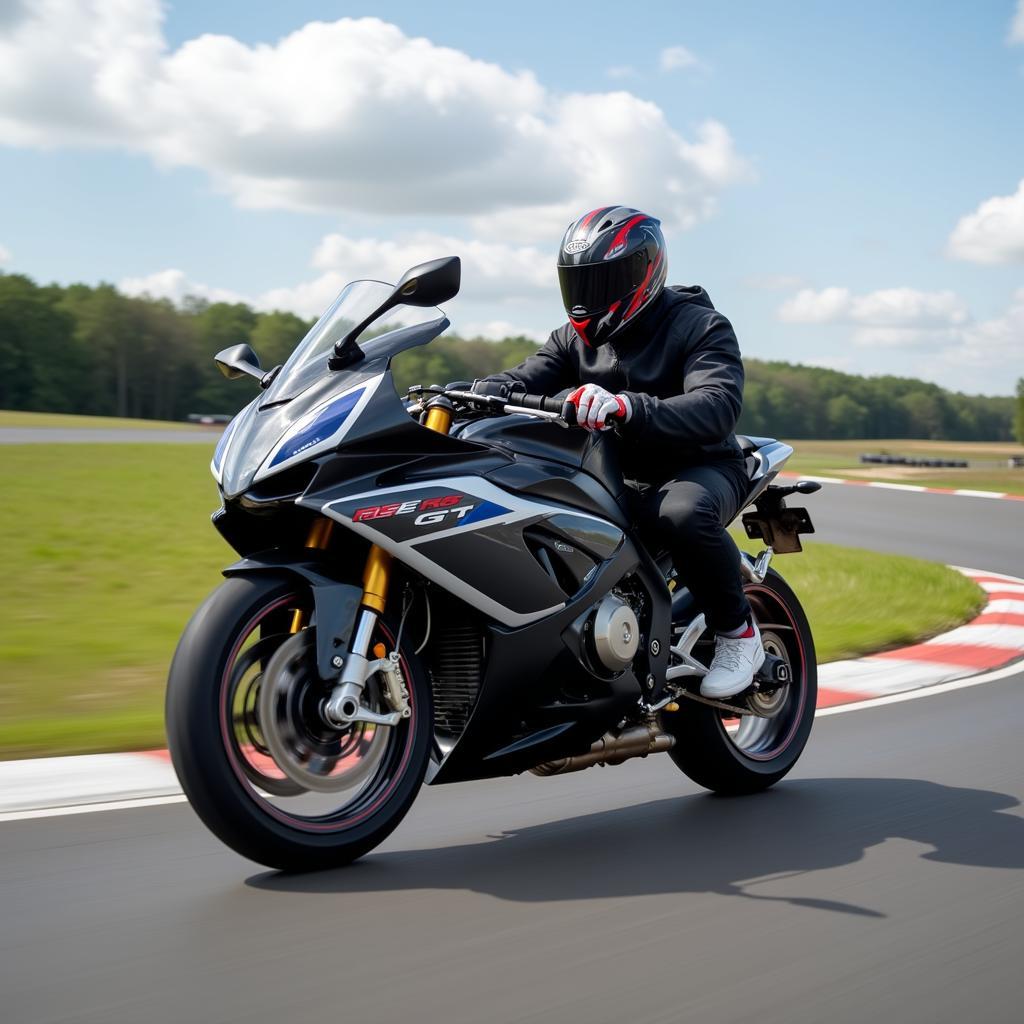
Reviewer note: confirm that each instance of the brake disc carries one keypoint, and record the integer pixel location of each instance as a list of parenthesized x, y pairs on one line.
[(307, 749)]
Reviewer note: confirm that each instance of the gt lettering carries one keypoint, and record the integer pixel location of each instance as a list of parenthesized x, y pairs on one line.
[(433, 518)]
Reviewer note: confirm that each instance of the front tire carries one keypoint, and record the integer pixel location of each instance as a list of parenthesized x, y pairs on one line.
[(732, 760), (224, 766)]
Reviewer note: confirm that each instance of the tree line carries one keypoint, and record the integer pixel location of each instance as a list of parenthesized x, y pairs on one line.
[(92, 350)]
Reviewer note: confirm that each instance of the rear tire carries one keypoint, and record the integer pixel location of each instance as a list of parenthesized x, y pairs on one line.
[(707, 753), (225, 791)]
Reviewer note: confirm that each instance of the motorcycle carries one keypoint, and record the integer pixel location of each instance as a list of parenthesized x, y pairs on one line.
[(448, 587)]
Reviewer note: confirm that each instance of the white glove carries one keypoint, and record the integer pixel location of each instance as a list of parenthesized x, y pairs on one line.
[(595, 407)]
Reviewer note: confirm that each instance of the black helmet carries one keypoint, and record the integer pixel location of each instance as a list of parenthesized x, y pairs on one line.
[(611, 265)]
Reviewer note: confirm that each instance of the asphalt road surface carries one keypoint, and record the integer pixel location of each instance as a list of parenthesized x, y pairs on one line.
[(883, 880)]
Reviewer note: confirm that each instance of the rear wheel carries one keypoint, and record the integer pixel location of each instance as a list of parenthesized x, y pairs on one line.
[(345, 790), (734, 756)]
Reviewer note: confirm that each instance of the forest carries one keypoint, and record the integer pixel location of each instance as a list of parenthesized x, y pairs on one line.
[(94, 351)]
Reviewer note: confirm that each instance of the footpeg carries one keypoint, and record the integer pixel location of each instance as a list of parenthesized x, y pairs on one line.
[(773, 674)]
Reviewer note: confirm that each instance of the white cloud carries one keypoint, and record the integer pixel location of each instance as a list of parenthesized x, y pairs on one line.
[(350, 115), (675, 58), (1017, 25), (962, 353), (69, 69), (816, 307), (994, 233), (5, 256), (887, 310), (621, 71), (492, 272), (984, 356), (175, 285)]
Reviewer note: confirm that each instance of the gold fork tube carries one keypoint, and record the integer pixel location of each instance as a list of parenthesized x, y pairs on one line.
[(375, 579)]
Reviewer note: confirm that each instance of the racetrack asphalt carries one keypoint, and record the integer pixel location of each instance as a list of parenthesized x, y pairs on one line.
[(884, 878)]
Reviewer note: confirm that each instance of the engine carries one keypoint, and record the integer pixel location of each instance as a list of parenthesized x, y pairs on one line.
[(614, 631)]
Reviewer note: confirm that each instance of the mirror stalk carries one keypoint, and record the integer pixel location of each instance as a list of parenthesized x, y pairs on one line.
[(428, 284)]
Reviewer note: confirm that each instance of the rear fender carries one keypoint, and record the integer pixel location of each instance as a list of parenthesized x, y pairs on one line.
[(335, 602)]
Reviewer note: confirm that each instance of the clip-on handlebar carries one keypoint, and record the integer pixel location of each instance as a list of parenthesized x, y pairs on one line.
[(554, 410)]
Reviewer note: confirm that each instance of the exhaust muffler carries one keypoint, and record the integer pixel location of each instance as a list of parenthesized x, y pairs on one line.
[(612, 748)]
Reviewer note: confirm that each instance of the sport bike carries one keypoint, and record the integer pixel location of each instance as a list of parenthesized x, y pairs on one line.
[(445, 587)]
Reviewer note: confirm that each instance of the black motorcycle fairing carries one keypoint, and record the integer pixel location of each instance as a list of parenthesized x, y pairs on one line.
[(526, 436), (538, 701), (335, 601), (561, 484)]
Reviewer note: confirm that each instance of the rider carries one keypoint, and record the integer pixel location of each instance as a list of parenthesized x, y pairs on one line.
[(663, 367)]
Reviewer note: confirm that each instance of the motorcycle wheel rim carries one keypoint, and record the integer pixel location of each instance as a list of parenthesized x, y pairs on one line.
[(301, 809)]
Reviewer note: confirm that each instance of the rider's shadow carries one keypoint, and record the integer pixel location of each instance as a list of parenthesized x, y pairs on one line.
[(698, 844)]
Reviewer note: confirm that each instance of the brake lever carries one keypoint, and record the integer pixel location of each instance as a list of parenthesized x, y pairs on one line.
[(551, 417)]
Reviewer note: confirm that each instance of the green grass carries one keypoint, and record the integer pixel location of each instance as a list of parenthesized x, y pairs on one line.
[(109, 549), (987, 471), (13, 418), (859, 601)]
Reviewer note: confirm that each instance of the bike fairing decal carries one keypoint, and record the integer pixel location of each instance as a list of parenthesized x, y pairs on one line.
[(433, 511), (320, 430), (397, 534)]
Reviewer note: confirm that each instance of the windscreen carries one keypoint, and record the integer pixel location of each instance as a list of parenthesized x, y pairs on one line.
[(355, 302)]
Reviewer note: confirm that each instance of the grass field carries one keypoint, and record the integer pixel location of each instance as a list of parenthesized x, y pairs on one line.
[(110, 549), (12, 418), (987, 471)]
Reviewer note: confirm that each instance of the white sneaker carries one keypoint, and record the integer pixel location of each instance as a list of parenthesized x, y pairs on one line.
[(733, 666)]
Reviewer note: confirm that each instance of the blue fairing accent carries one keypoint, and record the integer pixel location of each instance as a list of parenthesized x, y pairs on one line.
[(485, 510), (324, 426)]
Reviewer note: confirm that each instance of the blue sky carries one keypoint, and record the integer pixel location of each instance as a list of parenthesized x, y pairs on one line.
[(846, 180)]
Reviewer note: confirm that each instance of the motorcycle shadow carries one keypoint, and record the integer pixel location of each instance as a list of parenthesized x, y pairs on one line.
[(700, 844)]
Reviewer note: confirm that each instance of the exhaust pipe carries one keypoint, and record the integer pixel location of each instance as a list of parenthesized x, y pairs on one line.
[(612, 748)]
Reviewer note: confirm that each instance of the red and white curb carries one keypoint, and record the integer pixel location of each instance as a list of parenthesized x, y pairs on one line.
[(995, 637), (963, 492), (55, 786)]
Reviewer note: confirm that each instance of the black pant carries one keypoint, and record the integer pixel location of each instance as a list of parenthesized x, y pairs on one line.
[(686, 516)]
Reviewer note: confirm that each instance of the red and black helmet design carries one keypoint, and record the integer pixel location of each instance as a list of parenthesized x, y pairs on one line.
[(611, 266)]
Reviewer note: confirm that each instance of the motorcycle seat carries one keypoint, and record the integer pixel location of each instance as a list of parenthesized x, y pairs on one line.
[(748, 446)]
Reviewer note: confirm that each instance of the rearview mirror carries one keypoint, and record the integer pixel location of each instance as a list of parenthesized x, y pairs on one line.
[(431, 283), (425, 285), (238, 361)]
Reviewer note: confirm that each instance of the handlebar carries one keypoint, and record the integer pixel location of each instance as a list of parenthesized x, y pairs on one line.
[(556, 410), (563, 412)]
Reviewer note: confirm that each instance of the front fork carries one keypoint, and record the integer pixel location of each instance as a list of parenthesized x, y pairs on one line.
[(344, 707)]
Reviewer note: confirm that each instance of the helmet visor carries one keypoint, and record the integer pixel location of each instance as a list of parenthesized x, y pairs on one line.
[(593, 287)]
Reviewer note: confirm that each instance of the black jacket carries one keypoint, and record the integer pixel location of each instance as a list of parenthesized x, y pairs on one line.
[(680, 367)]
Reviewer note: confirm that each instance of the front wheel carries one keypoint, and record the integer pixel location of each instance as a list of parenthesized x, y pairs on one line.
[(345, 790), (731, 756)]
